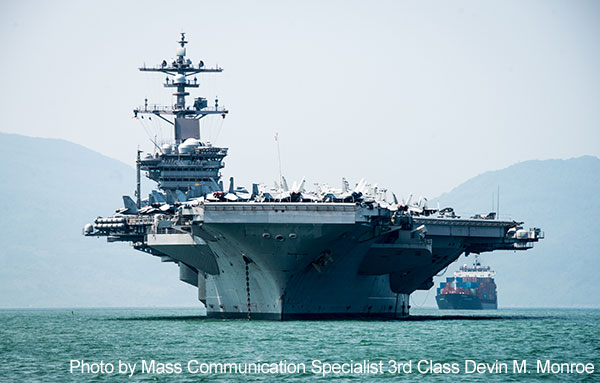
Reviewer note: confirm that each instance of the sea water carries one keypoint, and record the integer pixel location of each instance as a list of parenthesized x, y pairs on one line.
[(156, 344)]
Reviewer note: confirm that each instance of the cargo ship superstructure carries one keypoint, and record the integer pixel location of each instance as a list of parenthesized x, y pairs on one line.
[(286, 252), (471, 288)]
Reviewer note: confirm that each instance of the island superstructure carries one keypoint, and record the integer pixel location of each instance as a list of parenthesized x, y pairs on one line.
[(471, 288), (286, 252)]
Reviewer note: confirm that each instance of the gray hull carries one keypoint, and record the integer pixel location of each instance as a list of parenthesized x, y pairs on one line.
[(314, 275), (301, 261)]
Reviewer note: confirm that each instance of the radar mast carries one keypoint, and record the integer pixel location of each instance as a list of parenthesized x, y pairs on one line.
[(186, 168), (186, 120)]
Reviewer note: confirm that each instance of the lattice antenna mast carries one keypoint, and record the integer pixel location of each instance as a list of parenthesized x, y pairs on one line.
[(186, 121)]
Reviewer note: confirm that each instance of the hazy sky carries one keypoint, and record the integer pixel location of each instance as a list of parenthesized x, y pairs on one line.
[(414, 96)]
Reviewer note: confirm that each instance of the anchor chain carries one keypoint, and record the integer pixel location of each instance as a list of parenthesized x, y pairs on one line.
[(248, 289)]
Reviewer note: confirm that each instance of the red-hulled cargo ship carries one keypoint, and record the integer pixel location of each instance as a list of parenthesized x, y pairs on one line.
[(471, 288)]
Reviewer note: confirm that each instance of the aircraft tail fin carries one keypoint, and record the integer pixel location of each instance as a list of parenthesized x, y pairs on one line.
[(158, 198), (129, 204), (231, 185), (180, 195)]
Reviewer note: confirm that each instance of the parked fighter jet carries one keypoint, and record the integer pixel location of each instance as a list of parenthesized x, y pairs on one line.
[(130, 206)]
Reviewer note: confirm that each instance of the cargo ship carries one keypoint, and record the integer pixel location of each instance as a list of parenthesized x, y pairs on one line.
[(471, 288)]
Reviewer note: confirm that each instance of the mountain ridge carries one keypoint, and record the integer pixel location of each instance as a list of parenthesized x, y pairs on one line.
[(45, 261), (557, 196)]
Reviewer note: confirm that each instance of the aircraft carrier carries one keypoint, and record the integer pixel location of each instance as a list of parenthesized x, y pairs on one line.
[(285, 252)]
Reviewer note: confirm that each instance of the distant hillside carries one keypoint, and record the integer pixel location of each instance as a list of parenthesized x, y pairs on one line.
[(560, 196), (50, 190)]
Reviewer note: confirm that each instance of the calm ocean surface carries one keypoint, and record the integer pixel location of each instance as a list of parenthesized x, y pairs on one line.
[(38, 345)]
